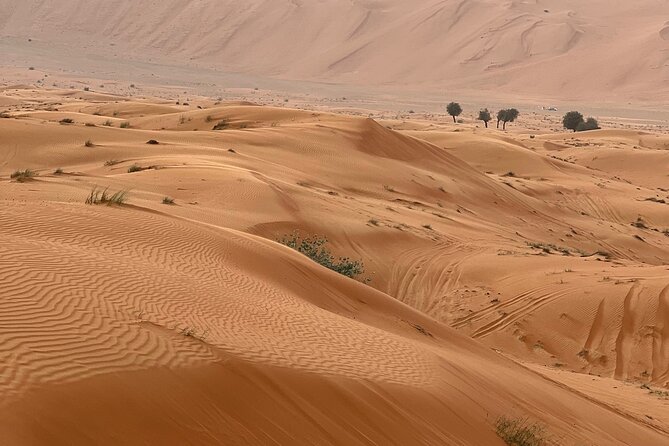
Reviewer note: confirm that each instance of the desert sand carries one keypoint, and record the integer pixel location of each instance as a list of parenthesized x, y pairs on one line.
[(519, 273), (504, 271)]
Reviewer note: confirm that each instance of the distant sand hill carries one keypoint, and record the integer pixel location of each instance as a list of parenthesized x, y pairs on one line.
[(602, 49)]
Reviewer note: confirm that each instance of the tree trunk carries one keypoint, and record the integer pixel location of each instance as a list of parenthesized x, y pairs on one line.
[(498, 123), (486, 124), (454, 122), (504, 126)]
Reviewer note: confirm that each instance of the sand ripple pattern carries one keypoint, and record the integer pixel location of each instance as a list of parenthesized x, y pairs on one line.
[(82, 290)]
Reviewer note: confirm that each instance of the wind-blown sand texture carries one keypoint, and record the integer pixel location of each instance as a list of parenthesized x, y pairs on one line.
[(187, 324)]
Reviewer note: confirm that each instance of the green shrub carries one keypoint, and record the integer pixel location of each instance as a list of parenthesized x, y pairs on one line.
[(520, 432), (168, 200), (135, 168), (23, 175), (125, 125), (98, 196), (316, 249)]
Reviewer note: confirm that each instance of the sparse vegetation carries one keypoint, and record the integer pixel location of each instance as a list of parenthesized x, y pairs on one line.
[(507, 115), (454, 109), (89, 143), (135, 168), (520, 432), (208, 118), (125, 125), (66, 121), (58, 171), (108, 123), (21, 176), (89, 124), (573, 120), (589, 124), (316, 249), (101, 196), (221, 125), (484, 115), (111, 162), (152, 142), (168, 200)]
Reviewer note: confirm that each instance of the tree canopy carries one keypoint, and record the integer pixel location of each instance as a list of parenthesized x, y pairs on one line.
[(507, 115), (454, 109), (571, 120), (484, 115)]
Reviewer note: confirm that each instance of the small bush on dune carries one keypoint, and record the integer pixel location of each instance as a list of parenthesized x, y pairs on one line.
[(316, 249), (89, 143), (23, 175), (108, 123), (65, 121), (520, 432), (98, 196), (168, 200), (135, 168), (58, 171), (125, 125)]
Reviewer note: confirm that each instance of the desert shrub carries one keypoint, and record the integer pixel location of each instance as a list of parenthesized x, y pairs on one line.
[(588, 124), (87, 88), (316, 249), (135, 168), (101, 196), (108, 123), (89, 143), (89, 124), (168, 200), (222, 125), (65, 121), (520, 432), (208, 118), (23, 175), (152, 142), (58, 171), (125, 125), (111, 162), (454, 110)]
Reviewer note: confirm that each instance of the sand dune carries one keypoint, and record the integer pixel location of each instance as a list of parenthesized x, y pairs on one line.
[(188, 324), (571, 50)]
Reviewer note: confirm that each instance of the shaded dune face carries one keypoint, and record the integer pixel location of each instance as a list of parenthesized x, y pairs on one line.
[(188, 324), (520, 47)]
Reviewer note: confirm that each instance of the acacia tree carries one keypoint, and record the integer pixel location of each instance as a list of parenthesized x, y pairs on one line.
[(507, 115), (454, 110), (571, 120), (484, 115)]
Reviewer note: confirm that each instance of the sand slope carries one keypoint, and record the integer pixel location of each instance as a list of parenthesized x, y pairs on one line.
[(188, 324), (549, 48)]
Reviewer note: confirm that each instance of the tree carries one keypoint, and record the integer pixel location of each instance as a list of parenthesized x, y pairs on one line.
[(484, 115), (589, 124), (454, 109), (500, 116), (507, 115), (572, 120)]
